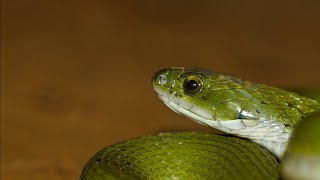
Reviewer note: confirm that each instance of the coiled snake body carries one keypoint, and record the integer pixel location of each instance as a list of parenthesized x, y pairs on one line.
[(258, 120)]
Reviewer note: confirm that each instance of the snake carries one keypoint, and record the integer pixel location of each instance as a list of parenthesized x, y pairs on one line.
[(262, 132)]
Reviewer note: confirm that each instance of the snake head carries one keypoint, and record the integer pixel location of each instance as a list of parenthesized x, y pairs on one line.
[(200, 95), (184, 91), (261, 113)]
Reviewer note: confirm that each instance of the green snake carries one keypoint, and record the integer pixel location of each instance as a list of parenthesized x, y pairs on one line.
[(269, 133)]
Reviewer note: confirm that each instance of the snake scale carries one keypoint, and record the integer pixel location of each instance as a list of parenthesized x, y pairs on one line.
[(269, 133)]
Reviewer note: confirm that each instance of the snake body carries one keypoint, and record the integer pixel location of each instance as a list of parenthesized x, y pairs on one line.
[(263, 116)]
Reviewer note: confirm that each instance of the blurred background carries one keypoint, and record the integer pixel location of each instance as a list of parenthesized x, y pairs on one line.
[(76, 75)]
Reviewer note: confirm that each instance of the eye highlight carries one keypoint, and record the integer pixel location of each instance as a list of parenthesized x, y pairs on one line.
[(192, 85)]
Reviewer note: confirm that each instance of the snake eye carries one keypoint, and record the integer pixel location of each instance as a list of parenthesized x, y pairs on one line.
[(192, 85)]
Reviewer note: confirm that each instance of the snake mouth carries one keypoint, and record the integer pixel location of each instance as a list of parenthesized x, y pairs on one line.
[(181, 106), (182, 110)]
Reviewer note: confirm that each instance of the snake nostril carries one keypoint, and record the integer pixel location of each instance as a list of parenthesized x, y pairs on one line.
[(163, 79)]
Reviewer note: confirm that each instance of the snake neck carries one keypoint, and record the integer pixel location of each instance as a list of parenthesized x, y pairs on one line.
[(270, 134)]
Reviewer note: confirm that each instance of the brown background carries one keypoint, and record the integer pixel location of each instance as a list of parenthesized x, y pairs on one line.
[(75, 75)]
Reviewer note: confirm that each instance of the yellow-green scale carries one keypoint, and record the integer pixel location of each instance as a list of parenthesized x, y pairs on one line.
[(182, 156)]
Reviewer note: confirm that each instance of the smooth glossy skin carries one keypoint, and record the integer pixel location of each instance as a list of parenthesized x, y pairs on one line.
[(260, 113), (302, 158)]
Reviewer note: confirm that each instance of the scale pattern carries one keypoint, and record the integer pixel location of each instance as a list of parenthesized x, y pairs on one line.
[(261, 113), (182, 156), (226, 98), (258, 100)]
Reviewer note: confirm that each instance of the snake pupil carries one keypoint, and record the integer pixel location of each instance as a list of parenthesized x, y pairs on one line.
[(192, 85)]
